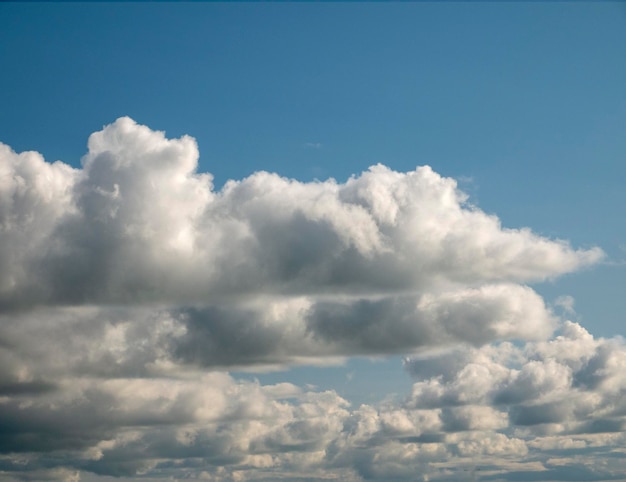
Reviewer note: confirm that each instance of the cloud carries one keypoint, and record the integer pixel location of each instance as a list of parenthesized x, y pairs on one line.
[(130, 285), (566, 385), (216, 425), (566, 303), (138, 224), (145, 341)]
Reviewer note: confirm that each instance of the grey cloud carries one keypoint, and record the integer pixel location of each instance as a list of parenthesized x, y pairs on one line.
[(148, 341), (26, 388), (597, 369), (606, 425), (537, 385), (230, 336), (572, 473), (187, 425), (540, 413), (399, 324)]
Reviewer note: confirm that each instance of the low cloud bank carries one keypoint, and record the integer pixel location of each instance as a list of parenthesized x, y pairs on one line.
[(544, 410)]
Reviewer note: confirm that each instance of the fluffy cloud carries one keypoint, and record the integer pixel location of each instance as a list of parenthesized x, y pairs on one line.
[(571, 384), (502, 411), (128, 286), (385, 262), (138, 224)]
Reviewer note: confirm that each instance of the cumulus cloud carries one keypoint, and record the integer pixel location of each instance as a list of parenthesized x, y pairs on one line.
[(138, 224), (570, 384), (130, 285)]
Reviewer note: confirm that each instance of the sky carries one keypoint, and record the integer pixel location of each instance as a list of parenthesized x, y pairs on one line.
[(312, 241)]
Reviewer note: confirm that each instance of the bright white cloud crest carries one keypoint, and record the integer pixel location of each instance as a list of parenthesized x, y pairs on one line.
[(143, 280)]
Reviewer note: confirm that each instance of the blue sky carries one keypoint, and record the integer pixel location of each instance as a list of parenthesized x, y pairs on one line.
[(526, 100), (522, 103)]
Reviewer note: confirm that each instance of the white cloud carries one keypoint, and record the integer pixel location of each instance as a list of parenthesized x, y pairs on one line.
[(566, 303), (566, 385), (127, 287), (138, 224)]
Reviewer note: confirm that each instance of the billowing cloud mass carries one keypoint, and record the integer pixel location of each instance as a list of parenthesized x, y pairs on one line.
[(131, 286)]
